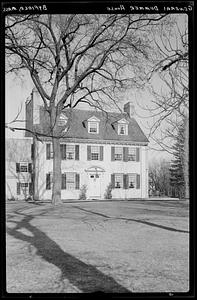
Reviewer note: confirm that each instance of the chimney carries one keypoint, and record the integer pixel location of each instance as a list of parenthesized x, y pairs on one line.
[(129, 108)]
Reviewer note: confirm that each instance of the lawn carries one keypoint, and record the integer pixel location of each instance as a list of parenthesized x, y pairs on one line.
[(116, 247)]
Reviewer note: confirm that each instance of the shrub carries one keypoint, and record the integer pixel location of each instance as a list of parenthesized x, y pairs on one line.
[(83, 191), (108, 193)]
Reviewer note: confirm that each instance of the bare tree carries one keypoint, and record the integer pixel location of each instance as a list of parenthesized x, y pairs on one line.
[(76, 58), (168, 83)]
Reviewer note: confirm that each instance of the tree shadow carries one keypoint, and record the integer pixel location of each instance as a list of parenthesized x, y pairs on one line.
[(134, 220), (85, 277)]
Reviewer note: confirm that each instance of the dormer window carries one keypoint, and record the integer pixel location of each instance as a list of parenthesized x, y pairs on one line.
[(62, 120), (123, 127), (93, 125)]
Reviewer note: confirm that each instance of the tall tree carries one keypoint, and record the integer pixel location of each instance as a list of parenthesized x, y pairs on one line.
[(179, 166), (77, 58)]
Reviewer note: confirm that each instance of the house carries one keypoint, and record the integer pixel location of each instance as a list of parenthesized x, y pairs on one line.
[(97, 149), (18, 168)]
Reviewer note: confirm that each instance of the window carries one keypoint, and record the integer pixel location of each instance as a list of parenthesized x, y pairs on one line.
[(69, 151), (132, 154), (93, 127), (70, 181), (118, 181), (132, 181), (125, 181), (62, 120), (122, 129), (24, 188), (95, 152), (49, 151), (118, 155), (24, 167)]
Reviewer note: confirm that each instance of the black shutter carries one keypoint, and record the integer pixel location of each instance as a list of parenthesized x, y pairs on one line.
[(30, 188), (30, 167), (18, 190), (48, 151), (32, 151), (76, 152), (63, 187), (101, 152), (125, 153), (88, 152), (48, 181), (17, 167), (113, 180), (77, 180), (137, 154), (112, 153), (125, 181), (137, 181)]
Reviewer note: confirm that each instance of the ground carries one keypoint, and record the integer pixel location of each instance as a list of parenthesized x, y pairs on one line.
[(114, 246)]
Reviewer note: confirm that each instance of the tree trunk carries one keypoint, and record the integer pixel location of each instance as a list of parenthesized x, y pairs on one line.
[(186, 158), (56, 187)]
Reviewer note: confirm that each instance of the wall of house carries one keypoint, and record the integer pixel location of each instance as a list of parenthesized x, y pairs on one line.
[(44, 166), (17, 150)]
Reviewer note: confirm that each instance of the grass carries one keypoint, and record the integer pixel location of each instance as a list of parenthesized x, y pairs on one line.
[(117, 247)]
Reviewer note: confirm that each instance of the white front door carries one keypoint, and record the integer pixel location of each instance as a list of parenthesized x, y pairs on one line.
[(94, 186)]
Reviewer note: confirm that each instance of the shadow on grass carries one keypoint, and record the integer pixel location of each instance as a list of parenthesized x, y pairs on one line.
[(133, 220), (83, 276)]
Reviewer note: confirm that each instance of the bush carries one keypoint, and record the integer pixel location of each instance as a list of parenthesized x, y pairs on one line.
[(83, 191), (108, 193)]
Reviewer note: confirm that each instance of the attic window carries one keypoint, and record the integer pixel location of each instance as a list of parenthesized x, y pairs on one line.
[(62, 120), (122, 129), (93, 125)]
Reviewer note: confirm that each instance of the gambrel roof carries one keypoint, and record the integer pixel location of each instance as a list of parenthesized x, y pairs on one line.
[(77, 126)]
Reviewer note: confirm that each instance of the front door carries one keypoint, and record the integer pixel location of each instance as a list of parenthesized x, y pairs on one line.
[(94, 186)]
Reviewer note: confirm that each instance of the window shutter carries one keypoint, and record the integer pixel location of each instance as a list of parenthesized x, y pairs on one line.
[(113, 180), (32, 151), (101, 152), (48, 151), (125, 181), (63, 187), (137, 181), (18, 191), (30, 167), (17, 167), (137, 154), (63, 151), (76, 152), (125, 153), (77, 179), (112, 153), (88, 152), (31, 188), (48, 181)]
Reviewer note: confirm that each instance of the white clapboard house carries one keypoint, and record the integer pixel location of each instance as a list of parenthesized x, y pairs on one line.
[(97, 149)]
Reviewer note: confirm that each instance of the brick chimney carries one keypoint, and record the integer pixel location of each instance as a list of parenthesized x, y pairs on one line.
[(129, 108)]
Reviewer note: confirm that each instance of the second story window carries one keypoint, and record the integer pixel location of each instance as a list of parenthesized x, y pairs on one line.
[(49, 151), (132, 154), (69, 151), (23, 167), (118, 153), (94, 152)]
